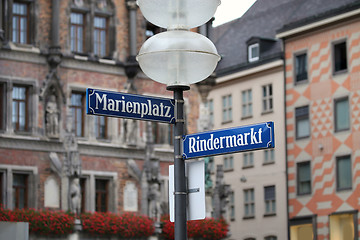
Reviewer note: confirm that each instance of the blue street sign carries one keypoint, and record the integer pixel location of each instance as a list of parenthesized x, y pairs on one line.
[(245, 138), (124, 105)]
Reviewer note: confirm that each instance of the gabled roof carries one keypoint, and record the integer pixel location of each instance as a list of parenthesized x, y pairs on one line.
[(261, 20)]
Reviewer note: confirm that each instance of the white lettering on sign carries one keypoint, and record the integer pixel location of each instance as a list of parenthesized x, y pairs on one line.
[(213, 143), (142, 109)]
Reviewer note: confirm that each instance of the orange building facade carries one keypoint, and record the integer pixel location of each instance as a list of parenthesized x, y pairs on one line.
[(322, 89)]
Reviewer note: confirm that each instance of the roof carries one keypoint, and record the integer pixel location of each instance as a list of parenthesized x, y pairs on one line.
[(261, 20), (310, 11), (264, 20)]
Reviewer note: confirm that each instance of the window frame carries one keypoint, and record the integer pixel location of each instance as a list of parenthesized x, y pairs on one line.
[(16, 189), (99, 194), (250, 203), (271, 201), (3, 106), (298, 165), (248, 158), (98, 126), (77, 26), (246, 105), (334, 55), (27, 102), (106, 42), (74, 119), (31, 22), (232, 206), (268, 98), (302, 116), (251, 58), (338, 159), (336, 101), (303, 77), (228, 163), (270, 155), (227, 108)]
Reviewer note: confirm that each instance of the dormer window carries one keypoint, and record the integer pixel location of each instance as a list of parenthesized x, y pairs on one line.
[(253, 52)]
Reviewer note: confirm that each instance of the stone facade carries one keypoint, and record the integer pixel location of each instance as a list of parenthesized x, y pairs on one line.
[(46, 66)]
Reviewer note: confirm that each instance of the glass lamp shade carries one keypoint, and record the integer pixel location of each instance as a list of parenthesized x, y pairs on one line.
[(178, 58), (178, 14)]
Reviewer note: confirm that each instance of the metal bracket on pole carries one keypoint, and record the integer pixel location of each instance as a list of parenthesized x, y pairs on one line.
[(194, 190)]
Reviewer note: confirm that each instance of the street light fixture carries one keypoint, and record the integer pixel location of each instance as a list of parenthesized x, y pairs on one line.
[(178, 58)]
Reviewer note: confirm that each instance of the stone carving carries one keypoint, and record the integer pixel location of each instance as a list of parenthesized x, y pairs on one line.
[(130, 129), (79, 3), (130, 197), (52, 117), (75, 195), (154, 202)]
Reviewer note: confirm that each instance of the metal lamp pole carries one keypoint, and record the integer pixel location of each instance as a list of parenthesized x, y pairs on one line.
[(179, 165)]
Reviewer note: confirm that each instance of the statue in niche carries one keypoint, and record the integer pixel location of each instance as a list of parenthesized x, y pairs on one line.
[(154, 202), (75, 196), (52, 117), (130, 129)]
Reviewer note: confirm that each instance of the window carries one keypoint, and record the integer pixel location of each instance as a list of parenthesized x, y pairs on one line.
[(2, 106), (248, 159), (246, 103), (267, 98), (303, 178), (20, 113), (227, 108), (340, 57), (343, 173), (270, 200), (342, 114), (77, 32), (20, 23), (302, 228), (100, 36), (77, 111), (302, 122), (162, 133), (269, 156), (101, 195), (232, 205), (270, 238), (20, 191), (343, 226), (210, 107), (249, 239), (301, 67), (228, 163), (253, 52), (2, 189), (249, 203), (83, 194), (101, 127)]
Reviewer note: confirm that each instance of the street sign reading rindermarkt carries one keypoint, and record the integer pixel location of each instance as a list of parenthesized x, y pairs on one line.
[(224, 141), (124, 105)]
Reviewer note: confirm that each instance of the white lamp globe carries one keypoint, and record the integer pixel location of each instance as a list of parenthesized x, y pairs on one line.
[(178, 14), (178, 58)]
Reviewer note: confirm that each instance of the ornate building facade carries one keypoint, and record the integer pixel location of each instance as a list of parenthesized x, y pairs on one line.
[(53, 155), (322, 65)]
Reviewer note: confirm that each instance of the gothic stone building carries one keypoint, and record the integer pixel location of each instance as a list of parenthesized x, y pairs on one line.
[(50, 52)]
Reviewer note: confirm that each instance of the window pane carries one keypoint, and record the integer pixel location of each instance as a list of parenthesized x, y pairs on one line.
[(344, 175), (340, 58), (304, 178), (342, 115)]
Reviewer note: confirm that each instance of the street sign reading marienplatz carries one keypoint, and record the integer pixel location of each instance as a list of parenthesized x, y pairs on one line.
[(224, 141), (124, 105)]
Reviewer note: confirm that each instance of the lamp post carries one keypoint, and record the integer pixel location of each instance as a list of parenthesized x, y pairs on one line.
[(178, 58)]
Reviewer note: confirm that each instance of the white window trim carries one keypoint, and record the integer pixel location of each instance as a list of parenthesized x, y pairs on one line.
[(250, 48)]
